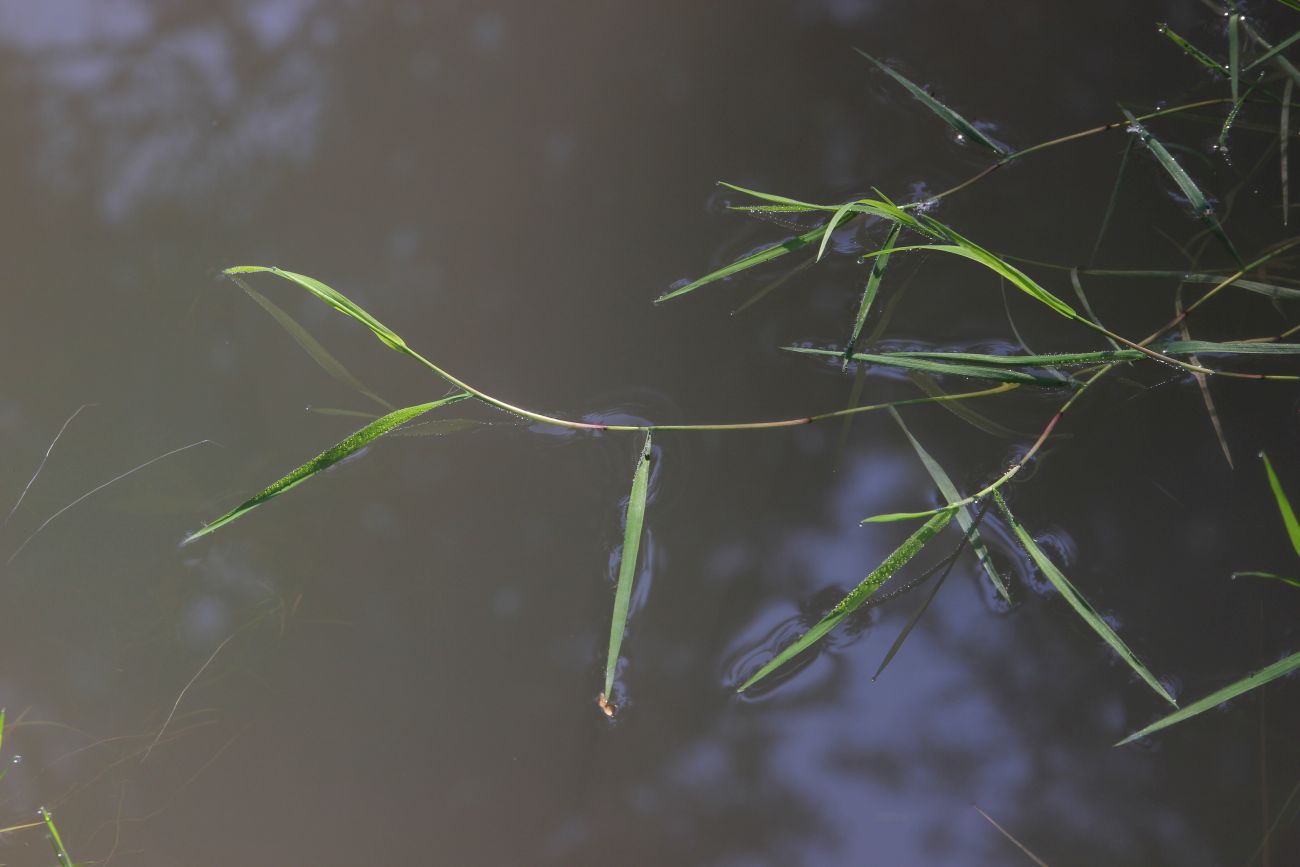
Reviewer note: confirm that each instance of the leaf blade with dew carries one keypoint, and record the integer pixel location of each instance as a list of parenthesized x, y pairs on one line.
[(1192, 51), (869, 293), (974, 371), (1081, 606), (348, 446), (633, 523), (1294, 582), (309, 344), (1283, 504), (1281, 668), (56, 841), (965, 519), (333, 298), (869, 585), (1200, 204), (947, 115)]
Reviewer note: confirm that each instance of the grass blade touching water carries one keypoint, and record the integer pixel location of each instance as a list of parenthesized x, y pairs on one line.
[(326, 459), (626, 572), (869, 585), (1081, 605)]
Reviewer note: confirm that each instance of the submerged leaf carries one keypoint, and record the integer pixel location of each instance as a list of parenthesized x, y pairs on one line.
[(325, 459), (626, 570), (963, 127), (1278, 669), (1081, 605), (869, 585)]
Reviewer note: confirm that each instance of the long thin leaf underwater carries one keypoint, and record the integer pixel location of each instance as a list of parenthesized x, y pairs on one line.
[(1281, 668), (626, 571), (1283, 504), (325, 459), (964, 518), (850, 603), (1199, 203), (961, 125), (1081, 605)]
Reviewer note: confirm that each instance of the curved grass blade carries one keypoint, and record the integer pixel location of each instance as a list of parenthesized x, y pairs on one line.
[(869, 585), (869, 294), (1278, 669), (965, 520), (1294, 582), (962, 126), (1192, 51), (1283, 504), (1276, 49), (626, 571), (1195, 197), (309, 344), (1081, 605), (325, 459), (926, 365), (335, 299)]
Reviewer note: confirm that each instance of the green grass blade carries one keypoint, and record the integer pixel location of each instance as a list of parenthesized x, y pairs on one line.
[(60, 852), (964, 517), (767, 254), (891, 517), (831, 226), (1051, 360), (974, 371), (1229, 347), (1195, 197), (1276, 49), (1283, 504), (325, 459), (971, 417), (337, 300), (1192, 51), (1278, 669), (1076, 600), (850, 603), (309, 344), (1284, 131), (1294, 4), (1269, 575), (1114, 198), (1271, 290), (962, 126), (872, 288), (1234, 54), (627, 568)]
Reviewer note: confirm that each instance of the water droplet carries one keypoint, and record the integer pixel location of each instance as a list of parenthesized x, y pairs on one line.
[(17, 760)]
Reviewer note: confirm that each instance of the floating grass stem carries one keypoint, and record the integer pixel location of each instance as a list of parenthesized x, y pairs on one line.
[(635, 519)]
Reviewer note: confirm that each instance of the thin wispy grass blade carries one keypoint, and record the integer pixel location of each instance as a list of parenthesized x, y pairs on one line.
[(1283, 504), (1284, 127), (335, 299), (962, 126), (925, 365), (56, 841), (626, 570), (1049, 360), (1294, 582), (326, 459), (310, 344), (964, 517), (850, 603), (1199, 203), (1276, 49), (1081, 606), (767, 254), (1272, 290), (1281, 668), (1192, 51), (872, 288), (1114, 198)]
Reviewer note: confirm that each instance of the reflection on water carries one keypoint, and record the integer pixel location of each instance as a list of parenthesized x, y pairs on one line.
[(399, 661)]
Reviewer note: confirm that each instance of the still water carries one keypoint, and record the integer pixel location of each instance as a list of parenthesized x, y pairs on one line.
[(399, 661)]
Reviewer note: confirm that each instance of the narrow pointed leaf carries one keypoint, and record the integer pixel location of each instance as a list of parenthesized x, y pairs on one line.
[(974, 371), (1269, 575), (1195, 197), (767, 254), (1234, 53), (1110, 204), (56, 841), (1283, 504), (872, 288), (869, 585), (964, 517), (1278, 669), (627, 566), (1276, 49), (1080, 605), (962, 126), (326, 459), (892, 517), (1192, 51)]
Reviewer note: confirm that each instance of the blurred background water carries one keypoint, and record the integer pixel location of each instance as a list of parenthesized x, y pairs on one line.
[(399, 662)]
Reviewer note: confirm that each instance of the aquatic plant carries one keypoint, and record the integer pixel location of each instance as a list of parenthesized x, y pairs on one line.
[(911, 228)]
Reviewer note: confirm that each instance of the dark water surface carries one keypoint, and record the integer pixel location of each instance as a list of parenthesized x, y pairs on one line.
[(399, 661)]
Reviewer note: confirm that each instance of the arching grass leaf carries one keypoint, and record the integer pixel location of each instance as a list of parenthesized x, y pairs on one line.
[(869, 585), (326, 459)]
